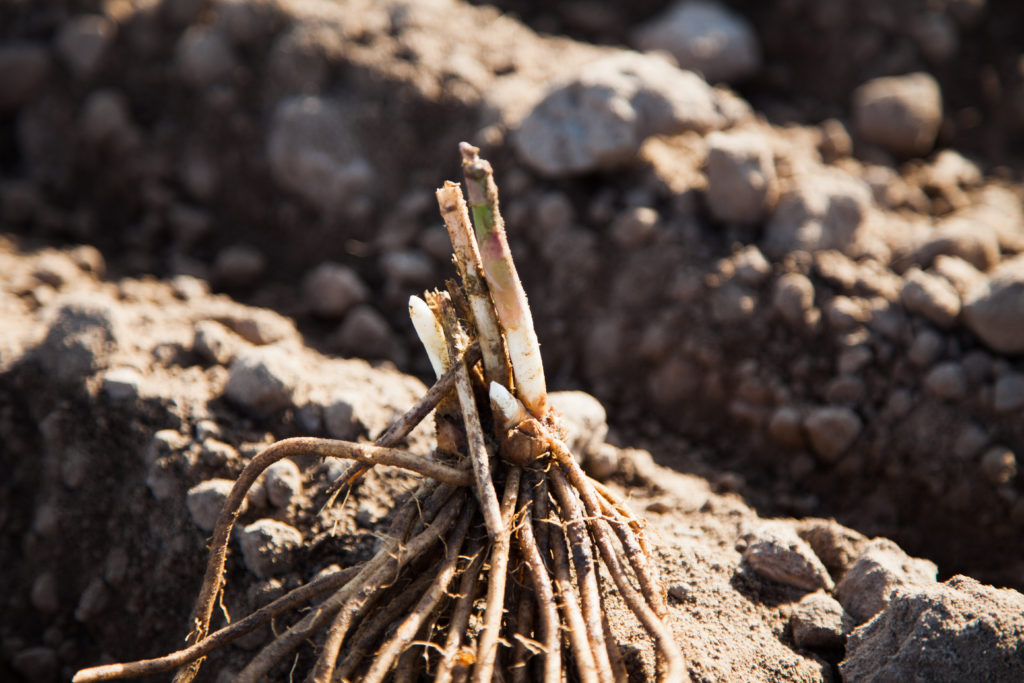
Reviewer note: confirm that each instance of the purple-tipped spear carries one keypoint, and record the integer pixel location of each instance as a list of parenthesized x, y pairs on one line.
[(506, 290)]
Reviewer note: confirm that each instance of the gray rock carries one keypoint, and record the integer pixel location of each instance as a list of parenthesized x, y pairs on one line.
[(959, 630), (214, 342), (930, 296), (785, 428), (585, 418), (947, 381), (82, 42), (122, 384), (926, 348), (936, 36), (742, 185), (283, 482), (24, 69), (407, 267), (818, 621), (239, 265), (900, 114), (44, 593), (706, 37), (268, 546), (1009, 393), (261, 379), (365, 333), (204, 57), (832, 430), (994, 310), (962, 275), (971, 439), (80, 339), (634, 227), (778, 553), (340, 417), (599, 116), (37, 664), (105, 118), (824, 209), (247, 22), (205, 501), (93, 601), (750, 266), (331, 289), (962, 237), (313, 152), (999, 465), (880, 569), (793, 299)]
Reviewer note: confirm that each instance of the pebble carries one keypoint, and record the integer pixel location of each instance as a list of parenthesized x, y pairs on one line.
[(818, 621), (926, 348), (340, 417), (742, 184), (832, 430), (947, 381), (732, 303), (214, 342), (44, 593), (283, 482), (598, 117), (239, 265), (825, 208), (585, 419), (994, 309), (785, 428), (999, 464), (969, 442), (704, 36), (407, 267), (37, 664), (312, 153), (793, 299), (204, 57), (960, 630), (961, 274), (835, 140), (205, 501), (778, 553), (935, 35), (82, 42), (900, 114), (248, 22), (268, 546), (122, 384), (852, 360), (365, 333), (1009, 393), (262, 379), (602, 461), (930, 296), (964, 238), (331, 289), (93, 601), (634, 227), (554, 211), (105, 118), (750, 266), (881, 567), (24, 71)]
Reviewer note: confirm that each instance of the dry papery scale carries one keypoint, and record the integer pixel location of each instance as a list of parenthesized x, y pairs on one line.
[(491, 569)]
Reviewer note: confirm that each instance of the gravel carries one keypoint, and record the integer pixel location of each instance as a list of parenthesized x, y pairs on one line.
[(205, 500), (930, 296), (283, 482), (900, 114), (268, 547), (832, 430), (994, 309), (742, 185)]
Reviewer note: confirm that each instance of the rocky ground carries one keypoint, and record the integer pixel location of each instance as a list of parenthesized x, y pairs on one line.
[(783, 244)]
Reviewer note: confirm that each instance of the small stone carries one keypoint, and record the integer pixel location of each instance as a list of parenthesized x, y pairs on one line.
[(365, 333), (732, 303), (1009, 393), (204, 57), (93, 602), (742, 185), (881, 567), (931, 297), (205, 501), (704, 36), (835, 140), (835, 545), (239, 265), (602, 461), (999, 464), (407, 267), (24, 70), (845, 390), (947, 381), (105, 118), (818, 621), (778, 553), (340, 417), (964, 238), (80, 339), (994, 310), (214, 342), (44, 593), (681, 592), (634, 227), (970, 441), (262, 379), (832, 430), (900, 114), (852, 360), (785, 428), (247, 22), (331, 289), (793, 299), (598, 117), (122, 384), (926, 348), (37, 664), (750, 266), (283, 483), (268, 546), (960, 630), (82, 42), (962, 275)]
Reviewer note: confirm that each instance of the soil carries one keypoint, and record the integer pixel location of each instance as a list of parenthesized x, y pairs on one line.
[(162, 214)]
